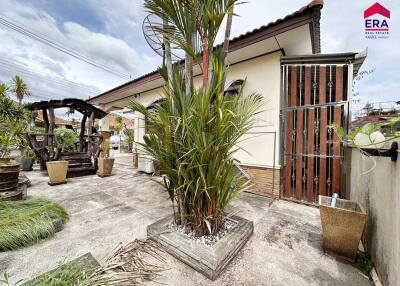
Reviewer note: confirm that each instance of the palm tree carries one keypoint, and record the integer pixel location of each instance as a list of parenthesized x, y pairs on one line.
[(3, 89), (193, 140), (193, 26), (20, 88), (195, 134)]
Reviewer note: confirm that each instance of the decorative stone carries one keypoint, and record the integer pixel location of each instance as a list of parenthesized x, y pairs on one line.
[(208, 260), (57, 224)]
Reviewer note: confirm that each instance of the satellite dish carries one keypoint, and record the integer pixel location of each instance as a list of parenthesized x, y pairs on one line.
[(151, 26)]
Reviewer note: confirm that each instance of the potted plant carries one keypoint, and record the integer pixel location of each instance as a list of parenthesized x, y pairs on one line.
[(105, 163), (27, 159), (57, 171), (129, 138), (9, 170)]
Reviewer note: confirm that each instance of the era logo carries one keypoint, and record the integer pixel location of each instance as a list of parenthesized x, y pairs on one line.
[(376, 20), (375, 23)]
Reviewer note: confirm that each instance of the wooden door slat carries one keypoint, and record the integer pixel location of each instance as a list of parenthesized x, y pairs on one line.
[(289, 150), (337, 119), (310, 135), (299, 150), (322, 132), (293, 87), (289, 127), (310, 160)]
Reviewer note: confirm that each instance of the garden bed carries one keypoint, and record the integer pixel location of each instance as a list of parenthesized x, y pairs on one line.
[(207, 255)]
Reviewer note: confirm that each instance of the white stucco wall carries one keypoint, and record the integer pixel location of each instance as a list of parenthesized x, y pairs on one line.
[(263, 76), (375, 184)]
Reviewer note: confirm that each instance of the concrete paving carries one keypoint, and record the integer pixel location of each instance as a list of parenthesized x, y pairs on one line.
[(285, 248)]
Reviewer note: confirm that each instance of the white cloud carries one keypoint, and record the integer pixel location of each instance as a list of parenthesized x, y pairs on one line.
[(38, 57)]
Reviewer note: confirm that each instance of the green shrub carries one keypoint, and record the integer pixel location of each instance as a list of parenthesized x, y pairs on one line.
[(24, 223), (129, 137), (193, 140), (65, 138)]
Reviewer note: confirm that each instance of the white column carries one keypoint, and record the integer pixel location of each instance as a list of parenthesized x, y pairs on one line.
[(104, 124)]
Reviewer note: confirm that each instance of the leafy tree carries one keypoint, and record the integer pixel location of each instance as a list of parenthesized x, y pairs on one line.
[(20, 88), (3, 89), (129, 137), (119, 124), (65, 138), (13, 124)]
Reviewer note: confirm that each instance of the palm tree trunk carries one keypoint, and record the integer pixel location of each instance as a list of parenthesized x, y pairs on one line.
[(228, 29), (168, 59), (225, 47), (206, 62), (187, 75)]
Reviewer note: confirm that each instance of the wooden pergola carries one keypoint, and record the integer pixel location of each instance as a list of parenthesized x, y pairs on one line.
[(83, 160)]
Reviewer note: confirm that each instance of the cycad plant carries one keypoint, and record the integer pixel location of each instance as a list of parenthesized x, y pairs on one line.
[(193, 140)]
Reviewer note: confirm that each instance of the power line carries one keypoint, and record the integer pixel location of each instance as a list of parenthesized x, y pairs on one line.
[(59, 47), (50, 94), (47, 78)]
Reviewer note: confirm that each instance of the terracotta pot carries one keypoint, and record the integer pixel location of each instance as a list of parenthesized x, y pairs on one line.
[(57, 171), (342, 226), (9, 172), (105, 166), (5, 160)]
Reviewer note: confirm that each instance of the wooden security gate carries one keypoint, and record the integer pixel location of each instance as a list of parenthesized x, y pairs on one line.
[(316, 97)]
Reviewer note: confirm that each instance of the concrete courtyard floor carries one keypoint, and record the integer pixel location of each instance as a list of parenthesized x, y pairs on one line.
[(285, 249)]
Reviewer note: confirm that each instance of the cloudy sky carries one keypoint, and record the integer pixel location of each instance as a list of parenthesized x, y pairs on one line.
[(108, 34)]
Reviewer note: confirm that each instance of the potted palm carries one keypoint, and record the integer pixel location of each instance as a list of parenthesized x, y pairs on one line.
[(105, 163), (27, 159), (9, 169), (194, 133)]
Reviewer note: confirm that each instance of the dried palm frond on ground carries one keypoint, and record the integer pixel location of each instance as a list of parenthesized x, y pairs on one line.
[(134, 263)]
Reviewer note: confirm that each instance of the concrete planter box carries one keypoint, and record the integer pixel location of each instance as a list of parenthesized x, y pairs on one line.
[(208, 260), (342, 226), (57, 171), (146, 165), (105, 166)]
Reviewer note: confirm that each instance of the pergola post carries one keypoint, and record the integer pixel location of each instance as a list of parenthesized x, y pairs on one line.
[(82, 133), (46, 125), (90, 124), (51, 130)]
